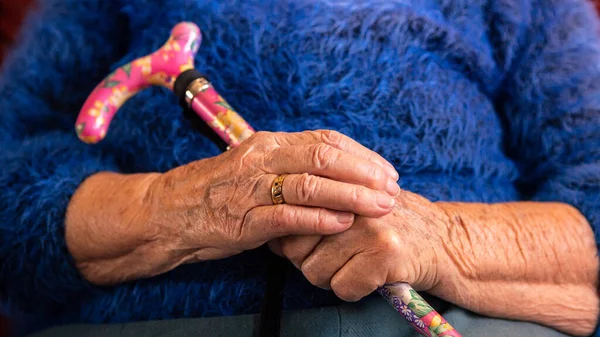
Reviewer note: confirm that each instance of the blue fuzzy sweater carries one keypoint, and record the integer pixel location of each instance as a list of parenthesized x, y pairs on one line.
[(487, 101)]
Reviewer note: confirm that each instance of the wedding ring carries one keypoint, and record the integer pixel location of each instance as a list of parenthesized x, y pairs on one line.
[(277, 190)]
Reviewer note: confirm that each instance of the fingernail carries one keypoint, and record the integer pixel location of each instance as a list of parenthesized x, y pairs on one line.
[(391, 171), (392, 187), (344, 217), (385, 201)]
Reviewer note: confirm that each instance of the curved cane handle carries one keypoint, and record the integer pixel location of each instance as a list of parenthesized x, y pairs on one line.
[(159, 68)]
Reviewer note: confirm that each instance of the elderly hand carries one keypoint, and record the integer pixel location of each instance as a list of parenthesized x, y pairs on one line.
[(221, 206), (402, 246), (478, 256)]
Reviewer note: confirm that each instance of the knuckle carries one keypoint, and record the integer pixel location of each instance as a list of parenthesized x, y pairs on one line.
[(307, 187), (313, 275), (388, 240), (372, 285), (321, 221), (343, 290), (279, 138), (292, 253), (376, 174), (333, 138), (281, 216), (355, 196), (313, 136), (258, 137), (322, 155), (309, 272)]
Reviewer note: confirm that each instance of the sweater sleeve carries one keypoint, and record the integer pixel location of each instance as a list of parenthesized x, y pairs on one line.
[(42, 162), (552, 105)]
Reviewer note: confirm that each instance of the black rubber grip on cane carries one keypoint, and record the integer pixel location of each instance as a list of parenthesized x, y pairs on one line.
[(183, 81)]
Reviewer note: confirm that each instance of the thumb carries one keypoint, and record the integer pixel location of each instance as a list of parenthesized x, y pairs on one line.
[(266, 223)]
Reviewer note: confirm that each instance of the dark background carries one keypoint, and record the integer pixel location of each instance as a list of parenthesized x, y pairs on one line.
[(11, 16)]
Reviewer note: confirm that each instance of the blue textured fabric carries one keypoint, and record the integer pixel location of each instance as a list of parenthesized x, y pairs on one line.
[(483, 101)]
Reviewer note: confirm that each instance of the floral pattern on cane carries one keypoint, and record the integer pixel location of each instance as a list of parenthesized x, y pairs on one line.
[(418, 304), (405, 310), (98, 109), (144, 64), (162, 78), (221, 102), (99, 122), (119, 94), (419, 323), (423, 318)]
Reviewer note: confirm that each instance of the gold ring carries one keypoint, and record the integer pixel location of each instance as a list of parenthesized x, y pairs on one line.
[(277, 190)]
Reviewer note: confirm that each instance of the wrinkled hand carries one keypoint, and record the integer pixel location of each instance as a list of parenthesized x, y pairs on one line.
[(121, 227), (402, 246), (218, 207)]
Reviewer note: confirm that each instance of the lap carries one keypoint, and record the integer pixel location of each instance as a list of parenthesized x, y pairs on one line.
[(370, 317)]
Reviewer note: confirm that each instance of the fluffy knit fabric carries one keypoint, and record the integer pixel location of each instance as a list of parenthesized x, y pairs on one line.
[(488, 101)]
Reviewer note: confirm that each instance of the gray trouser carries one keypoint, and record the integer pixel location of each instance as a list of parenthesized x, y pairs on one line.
[(369, 317)]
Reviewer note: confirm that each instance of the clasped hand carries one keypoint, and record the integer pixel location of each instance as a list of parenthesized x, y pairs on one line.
[(221, 206), (345, 223), (402, 246)]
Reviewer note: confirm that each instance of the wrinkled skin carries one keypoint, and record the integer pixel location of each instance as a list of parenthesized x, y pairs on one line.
[(230, 195), (221, 206), (402, 246), (478, 256), (346, 225)]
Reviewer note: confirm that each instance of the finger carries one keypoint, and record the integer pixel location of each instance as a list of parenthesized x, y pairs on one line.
[(330, 256), (327, 161), (313, 191), (297, 248), (341, 142), (265, 223), (350, 145), (359, 277), (309, 190)]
